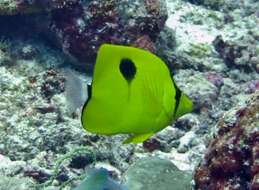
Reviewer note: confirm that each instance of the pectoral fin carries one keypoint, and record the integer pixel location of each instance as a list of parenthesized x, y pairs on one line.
[(139, 138)]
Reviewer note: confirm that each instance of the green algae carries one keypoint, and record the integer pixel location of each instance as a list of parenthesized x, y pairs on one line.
[(61, 161)]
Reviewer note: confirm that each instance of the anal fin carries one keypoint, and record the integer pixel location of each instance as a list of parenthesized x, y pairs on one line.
[(139, 138)]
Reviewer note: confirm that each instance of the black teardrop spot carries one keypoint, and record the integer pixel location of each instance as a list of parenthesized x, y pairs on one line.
[(127, 69)]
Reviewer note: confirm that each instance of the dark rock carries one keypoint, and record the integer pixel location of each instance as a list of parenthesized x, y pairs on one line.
[(37, 174), (152, 144), (81, 161), (54, 83), (44, 110), (184, 123), (164, 140), (63, 175), (231, 161)]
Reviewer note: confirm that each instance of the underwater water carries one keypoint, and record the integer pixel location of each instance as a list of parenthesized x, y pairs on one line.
[(179, 111)]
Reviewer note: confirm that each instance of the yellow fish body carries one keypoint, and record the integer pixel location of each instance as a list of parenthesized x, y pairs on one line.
[(132, 93)]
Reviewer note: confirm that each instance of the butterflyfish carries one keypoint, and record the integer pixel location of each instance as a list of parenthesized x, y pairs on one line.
[(132, 92)]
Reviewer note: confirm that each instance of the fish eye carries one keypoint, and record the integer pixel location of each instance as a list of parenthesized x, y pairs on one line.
[(127, 69)]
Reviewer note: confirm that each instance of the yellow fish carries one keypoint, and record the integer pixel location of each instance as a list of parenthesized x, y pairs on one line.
[(133, 93)]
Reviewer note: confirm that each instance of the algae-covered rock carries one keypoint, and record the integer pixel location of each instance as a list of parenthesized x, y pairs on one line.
[(200, 89), (214, 4), (240, 53), (11, 177), (228, 5), (8, 167), (153, 173), (15, 183), (232, 161)]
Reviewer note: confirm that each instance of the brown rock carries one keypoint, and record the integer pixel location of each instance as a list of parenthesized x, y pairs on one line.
[(232, 159), (81, 29)]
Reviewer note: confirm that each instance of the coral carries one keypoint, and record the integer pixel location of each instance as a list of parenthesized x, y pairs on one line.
[(81, 160), (14, 7), (82, 29), (249, 6), (53, 84), (215, 4), (8, 6), (197, 86), (15, 183), (10, 168), (164, 141), (231, 161), (215, 78), (58, 167), (28, 52), (238, 53), (145, 42), (4, 44), (5, 58), (165, 43), (79, 27), (252, 86)]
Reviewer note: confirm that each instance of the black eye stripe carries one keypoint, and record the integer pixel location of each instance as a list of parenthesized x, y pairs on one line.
[(177, 97), (89, 91), (128, 69)]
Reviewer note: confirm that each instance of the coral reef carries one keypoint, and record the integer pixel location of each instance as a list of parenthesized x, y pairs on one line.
[(85, 28), (10, 168), (232, 159), (14, 7), (79, 28), (41, 139), (215, 4), (226, 5), (241, 53)]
